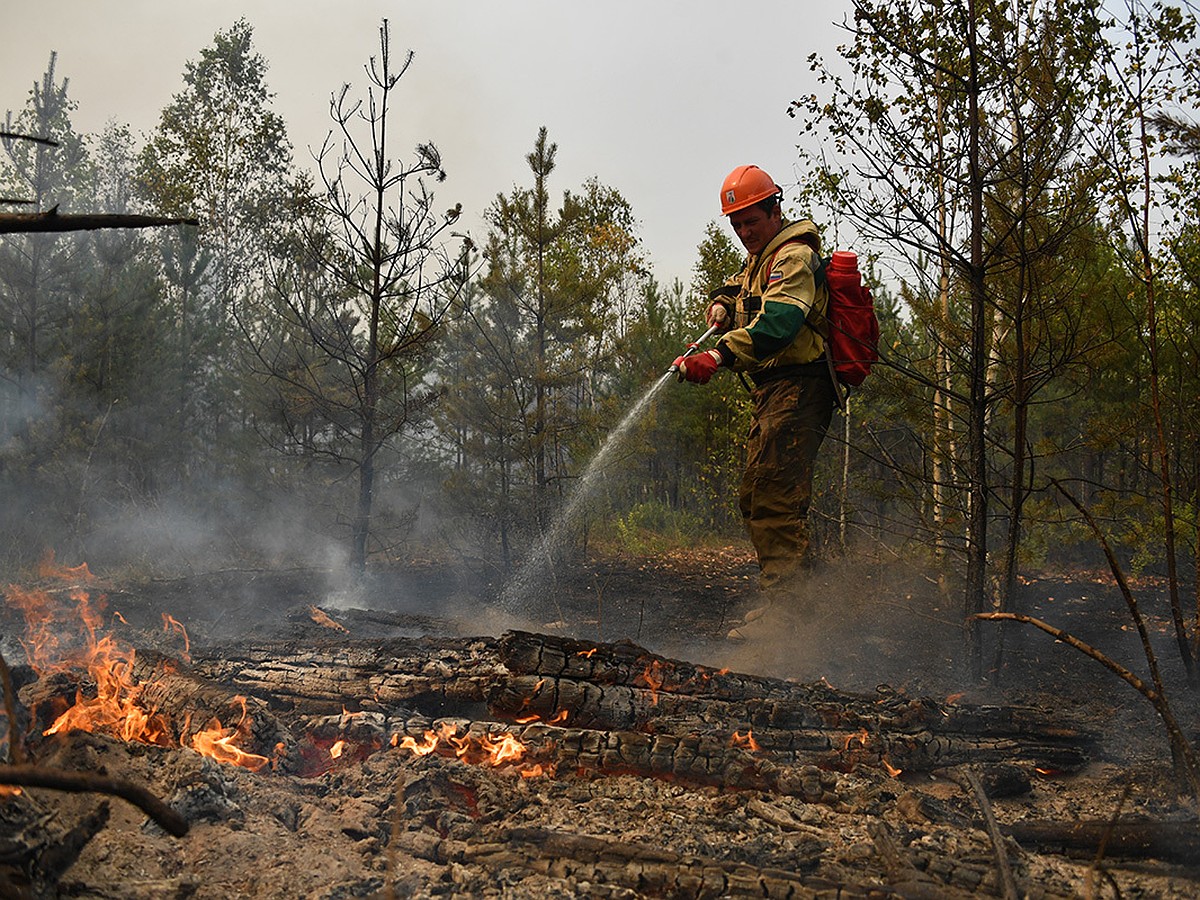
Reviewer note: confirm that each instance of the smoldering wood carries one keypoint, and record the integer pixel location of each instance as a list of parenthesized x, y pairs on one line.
[(624, 689)]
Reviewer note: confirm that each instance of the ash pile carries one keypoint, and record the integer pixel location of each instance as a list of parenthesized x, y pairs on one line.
[(327, 764)]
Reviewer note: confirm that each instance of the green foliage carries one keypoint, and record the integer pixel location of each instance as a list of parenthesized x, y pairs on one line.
[(654, 527)]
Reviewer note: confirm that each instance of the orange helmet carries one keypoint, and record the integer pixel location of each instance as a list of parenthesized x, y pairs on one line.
[(745, 186)]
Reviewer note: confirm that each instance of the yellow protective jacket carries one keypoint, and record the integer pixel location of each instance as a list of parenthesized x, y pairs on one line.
[(771, 300)]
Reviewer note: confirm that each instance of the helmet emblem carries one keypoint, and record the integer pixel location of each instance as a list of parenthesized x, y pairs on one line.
[(730, 196)]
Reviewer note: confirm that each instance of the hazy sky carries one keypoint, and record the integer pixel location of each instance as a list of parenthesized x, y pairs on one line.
[(658, 99)]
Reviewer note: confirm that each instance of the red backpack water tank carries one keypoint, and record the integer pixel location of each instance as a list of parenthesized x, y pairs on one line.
[(853, 327)]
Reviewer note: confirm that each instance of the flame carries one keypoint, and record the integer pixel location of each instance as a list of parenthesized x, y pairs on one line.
[(51, 646), (170, 623), (496, 750), (336, 750), (321, 617), (891, 770), (745, 740), (588, 654), (221, 743), (861, 736), (560, 716), (9, 790), (653, 678), (48, 568), (63, 635)]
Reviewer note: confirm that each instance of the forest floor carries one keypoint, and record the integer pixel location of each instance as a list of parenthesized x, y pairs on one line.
[(868, 623)]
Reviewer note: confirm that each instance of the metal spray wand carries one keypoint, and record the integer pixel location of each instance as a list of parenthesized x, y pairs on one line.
[(695, 345)]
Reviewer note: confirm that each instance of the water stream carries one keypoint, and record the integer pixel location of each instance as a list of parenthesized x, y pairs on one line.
[(517, 596)]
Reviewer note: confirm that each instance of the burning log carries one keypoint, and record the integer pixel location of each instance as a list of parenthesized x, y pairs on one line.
[(624, 687)]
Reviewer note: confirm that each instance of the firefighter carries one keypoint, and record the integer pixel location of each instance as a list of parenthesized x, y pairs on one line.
[(771, 317)]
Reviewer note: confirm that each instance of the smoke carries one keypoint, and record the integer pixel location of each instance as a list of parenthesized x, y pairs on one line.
[(857, 623)]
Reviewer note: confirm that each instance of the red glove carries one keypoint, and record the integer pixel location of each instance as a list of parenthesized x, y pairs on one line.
[(698, 369), (718, 314)]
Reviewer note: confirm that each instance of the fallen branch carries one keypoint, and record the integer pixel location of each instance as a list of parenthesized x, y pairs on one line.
[(1007, 882), (82, 783), (53, 221), (17, 136), (1179, 742), (1174, 842)]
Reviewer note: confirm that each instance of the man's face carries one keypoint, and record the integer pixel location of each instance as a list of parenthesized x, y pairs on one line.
[(755, 228)]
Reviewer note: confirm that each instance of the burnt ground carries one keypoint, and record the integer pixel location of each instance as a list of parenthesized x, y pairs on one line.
[(863, 624)]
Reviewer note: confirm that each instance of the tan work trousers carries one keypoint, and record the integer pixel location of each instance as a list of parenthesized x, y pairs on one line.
[(791, 415)]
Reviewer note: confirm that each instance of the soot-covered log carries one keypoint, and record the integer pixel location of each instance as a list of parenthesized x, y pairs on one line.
[(1177, 842), (625, 687), (621, 688), (332, 674)]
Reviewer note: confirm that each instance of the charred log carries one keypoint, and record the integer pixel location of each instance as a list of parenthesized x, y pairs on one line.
[(1176, 842), (328, 676)]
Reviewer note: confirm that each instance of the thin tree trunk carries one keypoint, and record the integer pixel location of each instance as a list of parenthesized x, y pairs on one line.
[(1162, 451), (977, 518)]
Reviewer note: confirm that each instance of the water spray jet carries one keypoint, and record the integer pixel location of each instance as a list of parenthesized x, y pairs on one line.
[(515, 597)]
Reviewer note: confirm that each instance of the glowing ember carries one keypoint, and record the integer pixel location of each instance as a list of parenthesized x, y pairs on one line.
[(587, 654), (336, 750)]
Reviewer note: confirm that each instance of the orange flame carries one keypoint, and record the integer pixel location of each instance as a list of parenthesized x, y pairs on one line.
[(587, 654), (653, 678), (322, 618), (221, 743), (502, 749), (891, 770), (744, 740), (336, 750), (861, 736), (170, 623), (116, 708)]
